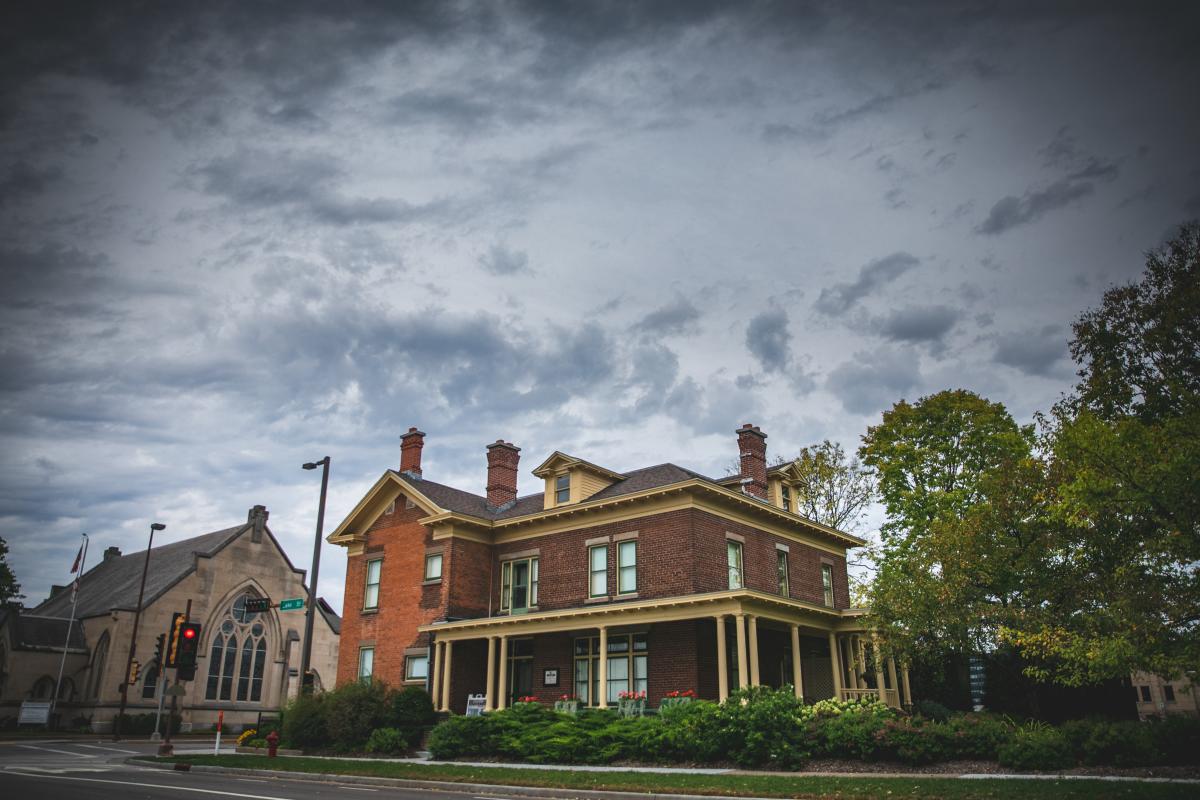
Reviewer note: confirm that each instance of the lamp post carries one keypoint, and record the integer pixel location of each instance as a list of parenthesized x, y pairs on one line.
[(137, 616), (310, 613)]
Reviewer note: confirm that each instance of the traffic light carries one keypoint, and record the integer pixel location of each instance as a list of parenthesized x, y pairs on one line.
[(257, 605), (189, 645), (134, 670), (160, 649), (177, 622)]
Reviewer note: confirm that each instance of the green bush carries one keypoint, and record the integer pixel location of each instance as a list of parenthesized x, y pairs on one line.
[(1037, 747), (1176, 740), (1100, 742), (304, 723), (353, 710), (412, 713), (916, 743), (387, 741), (686, 734), (978, 736), (932, 709), (854, 736), (256, 743), (465, 737), (760, 726)]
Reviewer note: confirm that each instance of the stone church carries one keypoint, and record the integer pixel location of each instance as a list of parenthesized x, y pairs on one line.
[(248, 664)]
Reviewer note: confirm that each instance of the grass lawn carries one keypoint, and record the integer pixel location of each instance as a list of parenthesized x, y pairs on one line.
[(733, 785)]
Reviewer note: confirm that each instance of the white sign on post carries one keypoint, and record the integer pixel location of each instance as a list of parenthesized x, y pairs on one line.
[(475, 704)]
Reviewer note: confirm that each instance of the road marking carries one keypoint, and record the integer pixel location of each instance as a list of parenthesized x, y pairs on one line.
[(53, 771), (153, 786), (112, 749), (251, 780), (60, 752), (357, 788)]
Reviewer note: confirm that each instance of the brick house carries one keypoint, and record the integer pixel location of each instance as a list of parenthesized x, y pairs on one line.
[(681, 581)]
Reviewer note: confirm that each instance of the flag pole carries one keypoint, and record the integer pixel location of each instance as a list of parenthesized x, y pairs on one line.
[(71, 622)]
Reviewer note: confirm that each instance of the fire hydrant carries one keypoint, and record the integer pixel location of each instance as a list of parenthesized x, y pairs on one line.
[(272, 744)]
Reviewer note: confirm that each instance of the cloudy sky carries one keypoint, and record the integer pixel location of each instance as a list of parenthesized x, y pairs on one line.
[(240, 236)]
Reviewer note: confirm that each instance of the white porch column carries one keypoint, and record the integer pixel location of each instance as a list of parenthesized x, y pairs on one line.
[(852, 662), (446, 677), (739, 624), (835, 664), (891, 665), (722, 661), (435, 664), (502, 684), (753, 636), (907, 687), (878, 668), (797, 672), (602, 700), (489, 695)]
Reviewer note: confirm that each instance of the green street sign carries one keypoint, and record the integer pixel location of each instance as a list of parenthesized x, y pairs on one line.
[(291, 604)]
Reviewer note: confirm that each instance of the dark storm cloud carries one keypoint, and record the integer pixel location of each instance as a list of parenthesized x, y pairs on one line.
[(918, 324), (769, 341), (873, 381), (306, 185), (1033, 353), (1011, 211), (676, 318), (22, 180), (840, 297), (500, 260)]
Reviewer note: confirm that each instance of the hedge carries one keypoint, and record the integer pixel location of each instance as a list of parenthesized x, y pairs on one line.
[(352, 717)]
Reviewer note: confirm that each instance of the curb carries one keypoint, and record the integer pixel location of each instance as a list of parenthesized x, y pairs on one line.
[(553, 793)]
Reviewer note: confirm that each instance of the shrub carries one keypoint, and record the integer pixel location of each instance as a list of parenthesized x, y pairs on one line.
[(388, 741), (978, 735), (355, 709), (262, 743), (1176, 739), (759, 726), (463, 737), (916, 743), (1100, 742), (687, 733), (304, 724), (412, 712), (1037, 747), (854, 736), (932, 709)]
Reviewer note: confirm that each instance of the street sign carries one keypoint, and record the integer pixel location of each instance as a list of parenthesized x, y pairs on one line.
[(291, 604)]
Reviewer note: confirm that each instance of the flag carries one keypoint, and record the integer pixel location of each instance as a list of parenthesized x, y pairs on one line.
[(78, 556)]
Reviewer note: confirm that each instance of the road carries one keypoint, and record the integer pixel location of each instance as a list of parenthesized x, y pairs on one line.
[(83, 770)]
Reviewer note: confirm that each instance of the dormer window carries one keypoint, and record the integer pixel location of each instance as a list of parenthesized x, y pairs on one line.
[(562, 489), (786, 493)]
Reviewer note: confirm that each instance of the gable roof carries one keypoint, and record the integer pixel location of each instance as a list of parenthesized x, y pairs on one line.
[(114, 582), (559, 459)]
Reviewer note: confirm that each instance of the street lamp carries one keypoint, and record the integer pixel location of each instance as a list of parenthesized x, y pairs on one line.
[(137, 616), (309, 616)]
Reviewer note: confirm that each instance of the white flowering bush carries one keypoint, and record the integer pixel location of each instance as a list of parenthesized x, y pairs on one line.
[(824, 709)]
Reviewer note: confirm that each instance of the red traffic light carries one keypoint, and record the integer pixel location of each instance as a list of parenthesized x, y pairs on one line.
[(189, 633)]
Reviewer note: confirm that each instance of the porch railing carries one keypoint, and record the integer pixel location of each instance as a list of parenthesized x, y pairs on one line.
[(891, 696)]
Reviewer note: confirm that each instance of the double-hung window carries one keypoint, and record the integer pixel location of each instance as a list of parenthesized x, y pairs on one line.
[(562, 489), (781, 571), (734, 554), (416, 668), (519, 585), (366, 663), (827, 583), (371, 589), (628, 663), (433, 567), (598, 571), (626, 567), (786, 495)]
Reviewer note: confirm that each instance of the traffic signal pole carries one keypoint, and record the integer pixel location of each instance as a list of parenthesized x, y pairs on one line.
[(137, 617), (310, 616)]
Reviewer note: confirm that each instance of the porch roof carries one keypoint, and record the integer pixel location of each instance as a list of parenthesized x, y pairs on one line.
[(640, 612)]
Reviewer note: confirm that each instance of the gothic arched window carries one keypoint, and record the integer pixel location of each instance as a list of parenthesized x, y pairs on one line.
[(238, 657)]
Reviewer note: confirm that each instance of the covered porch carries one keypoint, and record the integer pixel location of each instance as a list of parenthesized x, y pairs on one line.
[(711, 644)]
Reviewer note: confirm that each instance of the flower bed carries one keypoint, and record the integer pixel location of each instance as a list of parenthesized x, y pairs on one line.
[(764, 728)]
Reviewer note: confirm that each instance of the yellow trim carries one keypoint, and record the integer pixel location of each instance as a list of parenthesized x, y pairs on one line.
[(372, 506), (559, 460), (670, 609)]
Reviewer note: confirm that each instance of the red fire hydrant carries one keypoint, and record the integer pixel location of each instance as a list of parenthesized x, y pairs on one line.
[(272, 744)]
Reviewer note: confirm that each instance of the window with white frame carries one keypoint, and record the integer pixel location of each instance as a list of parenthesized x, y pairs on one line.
[(519, 585), (785, 494), (562, 489), (433, 567), (598, 571), (371, 587), (781, 571), (827, 583), (366, 663), (627, 567), (416, 667), (733, 551)]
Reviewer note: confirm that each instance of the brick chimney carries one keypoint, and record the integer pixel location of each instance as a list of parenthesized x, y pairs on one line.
[(502, 460), (410, 452), (112, 552), (752, 444)]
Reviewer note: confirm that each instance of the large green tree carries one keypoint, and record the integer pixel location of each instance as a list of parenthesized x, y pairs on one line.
[(832, 488), (1125, 450), (10, 590), (958, 480)]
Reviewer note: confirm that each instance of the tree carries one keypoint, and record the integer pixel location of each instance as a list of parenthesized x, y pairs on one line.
[(961, 489), (1125, 449), (10, 590)]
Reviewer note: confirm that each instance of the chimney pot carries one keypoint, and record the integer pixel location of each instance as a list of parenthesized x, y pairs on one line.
[(112, 552), (502, 459), (410, 452), (752, 447)]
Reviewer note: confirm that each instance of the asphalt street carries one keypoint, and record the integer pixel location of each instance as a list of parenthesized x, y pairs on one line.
[(82, 770)]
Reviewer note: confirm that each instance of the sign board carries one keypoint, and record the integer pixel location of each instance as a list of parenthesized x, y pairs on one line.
[(475, 704), (550, 677), (291, 604), (258, 605), (34, 713)]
